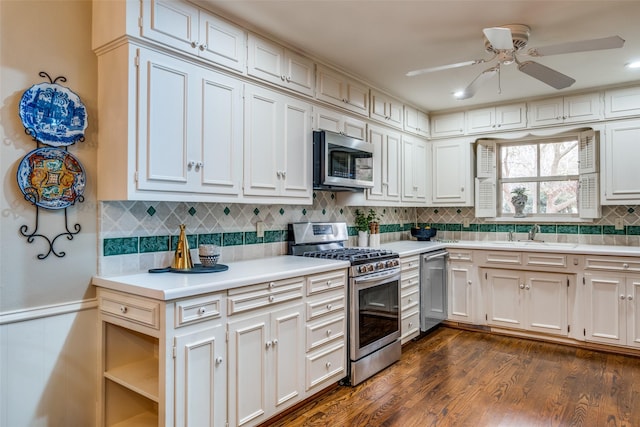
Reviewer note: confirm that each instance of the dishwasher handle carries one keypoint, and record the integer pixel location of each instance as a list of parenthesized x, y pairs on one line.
[(429, 257)]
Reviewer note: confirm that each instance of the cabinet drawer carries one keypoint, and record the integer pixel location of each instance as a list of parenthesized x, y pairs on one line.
[(410, 297), (546, 260), (325, 364), (326, 282), (460, 255), (262, 295), (198, 309), (409, 263), (612, 264), (410, 322), (411, 278), (320, 333), (137, 310), (331, 304), (503, 258)]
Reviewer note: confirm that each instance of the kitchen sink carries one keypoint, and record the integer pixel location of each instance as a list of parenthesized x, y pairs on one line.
[(534, 244)]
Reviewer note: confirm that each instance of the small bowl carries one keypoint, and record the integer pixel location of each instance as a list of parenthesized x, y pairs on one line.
[(423, 234), (209, 260)]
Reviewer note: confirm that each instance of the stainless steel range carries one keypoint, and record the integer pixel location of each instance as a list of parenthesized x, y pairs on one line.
[(373, 294)]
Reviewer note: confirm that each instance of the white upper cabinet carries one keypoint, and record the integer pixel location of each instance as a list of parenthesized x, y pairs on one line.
[(277, 146), (450, 171), (414, 170), (386, 158), (568, 109), (386, 109), (620, 154), (183, 26), (495, 119), (415, 121), (334, 121), (273, 63), (342, 91), (622, 102), (451, 124)]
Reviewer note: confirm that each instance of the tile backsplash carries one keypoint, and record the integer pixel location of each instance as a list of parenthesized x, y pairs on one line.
[(138, 235)]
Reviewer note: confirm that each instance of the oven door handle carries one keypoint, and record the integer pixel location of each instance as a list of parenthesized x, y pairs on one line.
[(379, 277), (438, 255)]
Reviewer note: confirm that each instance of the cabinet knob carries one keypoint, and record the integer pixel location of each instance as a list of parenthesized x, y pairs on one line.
[(271, 298), (190, 164), (328, 282), (288, 79), (275, 342), (271, 284), (622, 297), (328, 365), (521, 285), (268, 344), (284, 174), (203, 47), (194, 44), (625, 265), (202, 310), (630, 297), (527, 287), (410, 324), (283, 78), (199, 165), (469, 282), (328, 332), (329, 306), (123, 309), (462, 189), (219, 360)]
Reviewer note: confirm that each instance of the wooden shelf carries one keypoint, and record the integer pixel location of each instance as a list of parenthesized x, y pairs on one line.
[(140, 377), (146, 419)]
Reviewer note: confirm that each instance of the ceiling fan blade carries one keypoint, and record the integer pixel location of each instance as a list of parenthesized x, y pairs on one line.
[(443, 67), (612, 42), (499, 37), (546, 75), (471, 90)]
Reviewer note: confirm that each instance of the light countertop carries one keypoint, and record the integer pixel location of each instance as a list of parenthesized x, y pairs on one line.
[(169, 286)]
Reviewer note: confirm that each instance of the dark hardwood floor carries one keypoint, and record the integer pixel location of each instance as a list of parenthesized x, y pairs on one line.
[(459, 378)]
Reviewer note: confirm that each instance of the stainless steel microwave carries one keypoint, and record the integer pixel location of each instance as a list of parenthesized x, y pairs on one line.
[(341, 163)]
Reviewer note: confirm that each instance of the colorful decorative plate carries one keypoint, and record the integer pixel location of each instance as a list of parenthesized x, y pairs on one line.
[(53, 114), (51, 178)]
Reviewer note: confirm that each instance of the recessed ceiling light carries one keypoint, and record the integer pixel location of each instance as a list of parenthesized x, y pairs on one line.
[(633, 64), (459, 94)]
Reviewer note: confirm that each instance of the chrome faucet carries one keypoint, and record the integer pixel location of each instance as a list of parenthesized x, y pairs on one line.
[(510, 236), (535, 228)]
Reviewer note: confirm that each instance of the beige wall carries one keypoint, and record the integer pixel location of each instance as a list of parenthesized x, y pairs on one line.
[(48, 350)]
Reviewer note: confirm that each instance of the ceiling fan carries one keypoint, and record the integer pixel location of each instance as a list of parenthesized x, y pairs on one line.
[(508, 41)]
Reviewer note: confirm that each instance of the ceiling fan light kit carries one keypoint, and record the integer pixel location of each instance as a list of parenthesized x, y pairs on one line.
[(508, 41)]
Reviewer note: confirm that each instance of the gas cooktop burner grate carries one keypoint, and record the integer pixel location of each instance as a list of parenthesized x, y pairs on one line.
[(350, 254)]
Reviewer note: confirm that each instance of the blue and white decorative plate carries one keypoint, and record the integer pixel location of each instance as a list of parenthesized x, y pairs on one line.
[(51, 178), (53, 114)]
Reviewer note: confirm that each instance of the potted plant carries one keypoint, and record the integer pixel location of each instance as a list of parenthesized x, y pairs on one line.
[(519, 200), (362, 225), (374, 228)]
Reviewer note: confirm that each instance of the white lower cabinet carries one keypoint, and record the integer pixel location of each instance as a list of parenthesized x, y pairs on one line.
[(612, 300), (463, 287), (410, 297), (266, 364), (531, 301)]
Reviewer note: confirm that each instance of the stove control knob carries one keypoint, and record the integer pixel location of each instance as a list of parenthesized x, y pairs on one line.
[(389, 263), (362, 269), (380, 265), (369, 267)]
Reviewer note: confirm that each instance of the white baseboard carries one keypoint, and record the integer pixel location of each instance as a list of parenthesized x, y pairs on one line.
[(47, 311)]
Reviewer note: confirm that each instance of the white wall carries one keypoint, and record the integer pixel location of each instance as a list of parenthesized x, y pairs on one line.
[(47, 307)]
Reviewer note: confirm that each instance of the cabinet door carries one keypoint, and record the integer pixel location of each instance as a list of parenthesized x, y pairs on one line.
[(481, 120), (633, 311), (168, 104), (504, 298), (337, 122), (386, 157), (546, 303), (622, 102), (621, 151), (222, 42), (511, 116), (450, 173), (414, 171), (605, 311), (447, 125), (262, 142), (201, 378), (287, 351), (295, 152), (221, 143), (386, 109), (416, 121), (546, 112), (460, 287), (266, 60), (357, 96), (299, 73), (249, 344), (582, 108), (172, 23)]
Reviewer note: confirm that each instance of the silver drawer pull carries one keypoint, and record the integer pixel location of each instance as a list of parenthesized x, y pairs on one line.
[(123, 309), (622, 297), (271, 284), (410, 324), (328, 332), (202, 310), (328, 365), (328, 282), (275, 341), (271, 298), (625, 265), (630, 297), (329, 306), (218, 360), (268, 344)]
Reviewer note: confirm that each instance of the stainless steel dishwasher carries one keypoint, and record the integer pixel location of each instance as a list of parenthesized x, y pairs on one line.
[(433, 289)]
